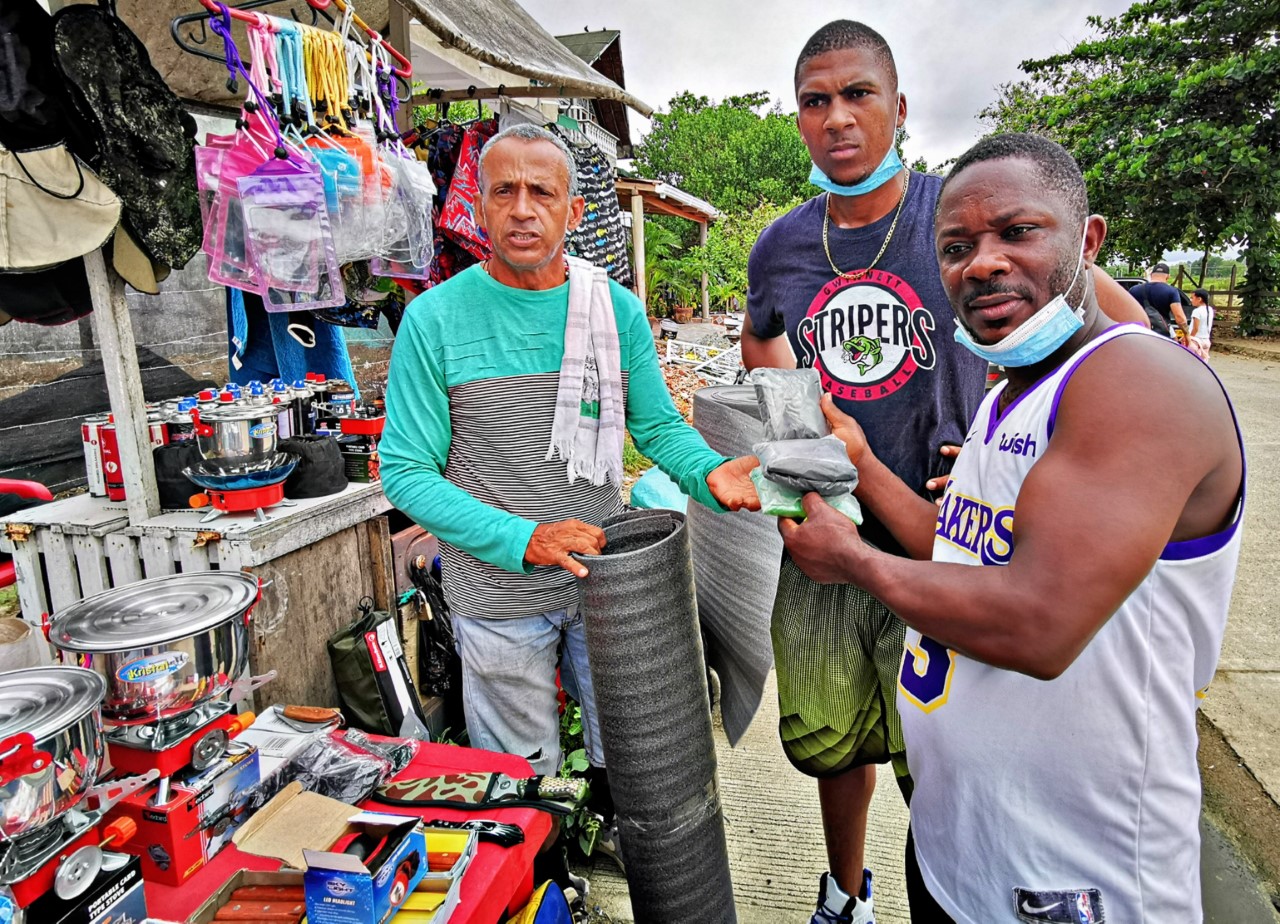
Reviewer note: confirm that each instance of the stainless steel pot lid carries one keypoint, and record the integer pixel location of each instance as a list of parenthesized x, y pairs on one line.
[(240, 412), (153, 612), (47, 700)]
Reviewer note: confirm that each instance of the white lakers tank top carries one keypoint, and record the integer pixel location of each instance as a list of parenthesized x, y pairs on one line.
[(1078, 795)]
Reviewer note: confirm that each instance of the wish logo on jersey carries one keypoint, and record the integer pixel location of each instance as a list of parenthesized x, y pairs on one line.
[(983, 531), (867, 338)]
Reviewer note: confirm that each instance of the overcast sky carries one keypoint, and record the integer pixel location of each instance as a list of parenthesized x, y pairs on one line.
[(951, 54)]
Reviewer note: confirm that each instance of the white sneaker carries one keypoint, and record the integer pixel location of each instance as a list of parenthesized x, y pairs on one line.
[(835, 906)]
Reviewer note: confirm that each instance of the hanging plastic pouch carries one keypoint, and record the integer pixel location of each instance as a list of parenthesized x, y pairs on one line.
[(344, 195), (368, 212), (410, 257), (209, 157), (229, 261), (290, 241)]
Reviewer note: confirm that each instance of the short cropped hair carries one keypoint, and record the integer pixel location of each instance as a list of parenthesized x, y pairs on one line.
[(1056, 167), (526, 133), (845, 33)]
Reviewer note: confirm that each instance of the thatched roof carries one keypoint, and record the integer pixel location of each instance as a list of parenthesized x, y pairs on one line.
[(502, 34)]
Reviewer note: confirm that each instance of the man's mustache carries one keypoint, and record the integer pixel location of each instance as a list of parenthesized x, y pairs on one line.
[(993, 288)]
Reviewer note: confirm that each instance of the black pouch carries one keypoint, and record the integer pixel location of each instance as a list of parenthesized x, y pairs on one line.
[(374, 687), (320, 471), (175, 488)]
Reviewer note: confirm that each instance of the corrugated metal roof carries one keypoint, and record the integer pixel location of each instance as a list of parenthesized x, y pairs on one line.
[(589, 46)]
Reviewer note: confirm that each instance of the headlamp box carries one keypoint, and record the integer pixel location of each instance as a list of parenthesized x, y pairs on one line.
[(176, 839), (115, 897), (382, 861)]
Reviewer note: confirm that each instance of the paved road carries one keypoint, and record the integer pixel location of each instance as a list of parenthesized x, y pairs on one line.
[(1244, 702)]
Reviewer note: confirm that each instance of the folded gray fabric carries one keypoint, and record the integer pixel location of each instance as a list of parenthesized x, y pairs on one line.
[(820, 465), (789, 403)]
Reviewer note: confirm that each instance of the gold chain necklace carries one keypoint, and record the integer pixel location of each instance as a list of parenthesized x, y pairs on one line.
[(826, 224)]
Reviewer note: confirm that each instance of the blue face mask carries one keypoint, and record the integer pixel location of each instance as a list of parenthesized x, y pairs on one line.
[(887, 170), (1037, 338)]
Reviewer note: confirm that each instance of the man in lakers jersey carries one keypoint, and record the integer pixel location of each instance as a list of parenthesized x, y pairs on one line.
[(1064, 606)]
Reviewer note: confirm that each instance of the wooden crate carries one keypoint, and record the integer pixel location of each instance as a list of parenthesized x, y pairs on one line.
[(60, 552)]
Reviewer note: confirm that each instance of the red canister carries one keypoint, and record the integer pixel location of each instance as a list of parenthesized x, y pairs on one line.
[(112, 471), (91, 437)]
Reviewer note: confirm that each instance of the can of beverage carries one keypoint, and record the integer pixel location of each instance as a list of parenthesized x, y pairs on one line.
[(91, 436), (112, 470)]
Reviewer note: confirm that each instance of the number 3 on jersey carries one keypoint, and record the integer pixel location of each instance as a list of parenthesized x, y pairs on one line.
[(925, 676)]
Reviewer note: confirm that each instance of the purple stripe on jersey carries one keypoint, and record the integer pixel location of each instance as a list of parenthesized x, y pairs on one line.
[(997, 416), (1057, 395), (1207, 545)]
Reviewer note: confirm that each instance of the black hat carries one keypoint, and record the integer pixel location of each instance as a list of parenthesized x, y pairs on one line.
[(1161, 268)]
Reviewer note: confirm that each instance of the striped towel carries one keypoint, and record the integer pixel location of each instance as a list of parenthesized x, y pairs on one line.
[(590, 413)]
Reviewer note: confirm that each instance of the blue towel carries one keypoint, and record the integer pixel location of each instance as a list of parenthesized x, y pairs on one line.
[(262, 347)]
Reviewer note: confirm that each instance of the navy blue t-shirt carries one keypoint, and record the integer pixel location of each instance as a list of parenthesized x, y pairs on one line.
[(884, 345), (1161, 296)]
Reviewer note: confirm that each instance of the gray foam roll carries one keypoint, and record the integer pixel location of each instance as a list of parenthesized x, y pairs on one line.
[(655, 720), (736, 558)]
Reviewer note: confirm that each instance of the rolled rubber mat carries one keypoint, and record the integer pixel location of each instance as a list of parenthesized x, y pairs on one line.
[(645, 650), (736, 558)]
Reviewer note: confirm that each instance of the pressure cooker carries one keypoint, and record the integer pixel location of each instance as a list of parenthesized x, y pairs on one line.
[(51, 744), (162, 646)]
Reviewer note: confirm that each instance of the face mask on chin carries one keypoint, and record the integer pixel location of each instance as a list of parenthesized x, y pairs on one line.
[(1037, 338), (887, 170)]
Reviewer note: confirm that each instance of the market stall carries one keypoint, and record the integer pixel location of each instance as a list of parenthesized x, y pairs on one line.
[(229, 580)]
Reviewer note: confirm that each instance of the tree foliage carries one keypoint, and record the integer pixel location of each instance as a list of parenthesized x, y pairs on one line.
[(1170, 111), (730, 153)]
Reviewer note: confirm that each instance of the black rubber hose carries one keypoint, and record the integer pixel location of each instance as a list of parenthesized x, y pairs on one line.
[(650, 680)]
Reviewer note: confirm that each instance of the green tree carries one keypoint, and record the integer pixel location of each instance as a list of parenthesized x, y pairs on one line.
[(1170, 111), (730, 153), (729, 243)]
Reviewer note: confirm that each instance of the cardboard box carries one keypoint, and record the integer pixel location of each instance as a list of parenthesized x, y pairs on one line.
[(299, 827), (361, 467), (343, 889), (116, 896), (176, 839), (245, 877)]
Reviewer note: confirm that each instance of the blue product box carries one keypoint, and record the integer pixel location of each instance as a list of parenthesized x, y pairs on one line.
[(341, 889)]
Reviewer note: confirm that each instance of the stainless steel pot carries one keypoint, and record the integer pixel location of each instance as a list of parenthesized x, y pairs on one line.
[(164, 645), (51, 744), (240, 435)]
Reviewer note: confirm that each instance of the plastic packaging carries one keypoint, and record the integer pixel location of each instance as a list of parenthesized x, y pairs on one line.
[(779, 501), (290, 241), (820, 465), (399, 752), (328, 766), (789, 402)]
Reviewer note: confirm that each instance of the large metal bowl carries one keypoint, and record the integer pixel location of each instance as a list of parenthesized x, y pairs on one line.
[(164, 645), (50, 772), (233, 478)]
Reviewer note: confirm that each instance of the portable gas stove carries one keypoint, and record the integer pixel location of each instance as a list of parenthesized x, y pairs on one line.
[(51, 801), (238, 488), (196, 739), (66, 855), (244, 500)]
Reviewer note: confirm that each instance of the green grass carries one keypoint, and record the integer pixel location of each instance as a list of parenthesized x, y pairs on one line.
[(9, 601), (633, 463)]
